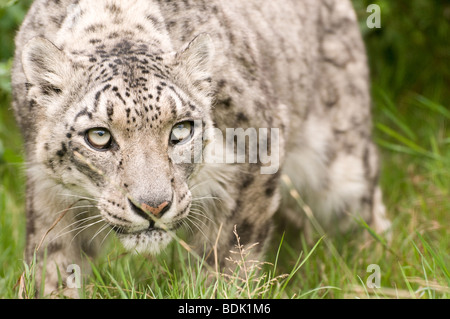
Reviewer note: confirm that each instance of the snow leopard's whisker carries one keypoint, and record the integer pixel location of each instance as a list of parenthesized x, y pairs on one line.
[(107, 234), (84, 219), (202, 214), (196, 224), (81, 213), (193, 187), (81, 224), (199, 210), (98, 232), (77, 223), (206, 196), (199, 207), (75, 207), (79, 196), (186, 226), (83, 228), (202, 199), (199, 219)]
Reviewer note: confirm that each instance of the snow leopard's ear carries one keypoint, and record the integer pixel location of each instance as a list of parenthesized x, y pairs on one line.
[(194, 62), (46, 67)]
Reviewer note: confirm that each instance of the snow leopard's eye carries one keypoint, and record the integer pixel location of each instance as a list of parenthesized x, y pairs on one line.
[(182, 132), (98, 138)]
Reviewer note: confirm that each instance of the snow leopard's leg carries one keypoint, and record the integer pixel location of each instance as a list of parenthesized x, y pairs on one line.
[(60, 233)]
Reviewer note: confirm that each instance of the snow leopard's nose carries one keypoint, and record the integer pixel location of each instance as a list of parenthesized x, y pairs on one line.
[(156, 211), (145, 209)]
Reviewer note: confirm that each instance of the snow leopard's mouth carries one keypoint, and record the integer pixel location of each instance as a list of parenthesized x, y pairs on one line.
[(150, 240), (151, 228)]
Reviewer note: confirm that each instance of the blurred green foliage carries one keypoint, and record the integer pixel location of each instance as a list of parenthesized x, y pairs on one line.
[(411, 50), (12, 13)]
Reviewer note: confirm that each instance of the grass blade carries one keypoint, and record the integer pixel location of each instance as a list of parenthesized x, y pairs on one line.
[(407, 142), (437, 257), (432, 106), (300, 264)]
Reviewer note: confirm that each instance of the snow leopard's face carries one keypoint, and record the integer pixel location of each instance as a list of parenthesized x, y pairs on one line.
[(127, 130)]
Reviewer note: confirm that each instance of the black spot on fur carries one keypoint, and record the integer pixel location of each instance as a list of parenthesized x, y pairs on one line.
[(110, 111), (272, 184), (94, 41), (241, 117), (226, 102), (62, 151), (247, 181)]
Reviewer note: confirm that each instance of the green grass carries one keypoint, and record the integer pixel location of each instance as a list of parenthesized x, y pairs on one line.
[(410, 75)]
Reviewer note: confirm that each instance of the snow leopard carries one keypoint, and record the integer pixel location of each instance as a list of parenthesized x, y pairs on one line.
[(142, 118)]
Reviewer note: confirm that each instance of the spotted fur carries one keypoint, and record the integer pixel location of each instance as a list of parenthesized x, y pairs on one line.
[(138, 68)]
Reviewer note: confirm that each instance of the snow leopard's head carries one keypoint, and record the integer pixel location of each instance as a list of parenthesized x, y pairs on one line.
[(124, 129)]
